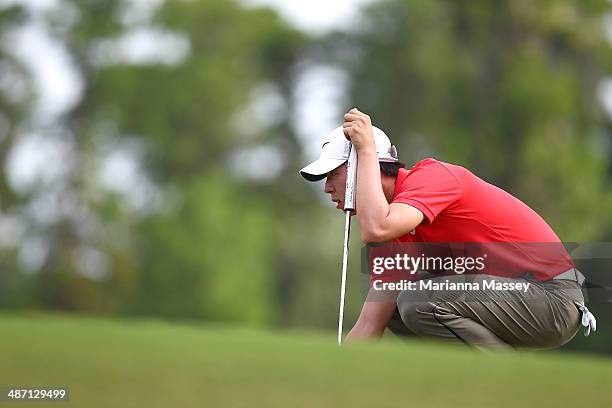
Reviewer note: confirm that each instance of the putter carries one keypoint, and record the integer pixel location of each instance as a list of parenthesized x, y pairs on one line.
[(349, 205)]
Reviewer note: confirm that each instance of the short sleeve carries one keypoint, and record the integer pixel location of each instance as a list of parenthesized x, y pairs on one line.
[(429, 187)]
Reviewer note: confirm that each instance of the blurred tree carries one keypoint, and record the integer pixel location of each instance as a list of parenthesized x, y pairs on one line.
[(209, 252), (178, 230), (16, 95), (507, 89)]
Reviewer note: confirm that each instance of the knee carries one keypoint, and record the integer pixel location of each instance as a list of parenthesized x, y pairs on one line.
[(414, 313)]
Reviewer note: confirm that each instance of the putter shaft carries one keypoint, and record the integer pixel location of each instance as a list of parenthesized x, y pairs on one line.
[(347, 231)]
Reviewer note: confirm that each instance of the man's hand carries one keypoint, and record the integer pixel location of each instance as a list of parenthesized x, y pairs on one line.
[(358, 129), (375, 314)]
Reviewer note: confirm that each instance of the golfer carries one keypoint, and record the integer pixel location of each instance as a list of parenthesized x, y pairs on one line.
[(542, 305)]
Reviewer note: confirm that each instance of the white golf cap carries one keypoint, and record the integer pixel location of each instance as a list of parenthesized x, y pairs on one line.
[(335, 152)]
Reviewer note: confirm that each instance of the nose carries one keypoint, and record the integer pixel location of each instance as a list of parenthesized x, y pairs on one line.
[(329, 187)]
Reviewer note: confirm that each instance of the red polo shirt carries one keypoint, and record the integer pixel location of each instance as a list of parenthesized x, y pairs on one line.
[(462, 208)]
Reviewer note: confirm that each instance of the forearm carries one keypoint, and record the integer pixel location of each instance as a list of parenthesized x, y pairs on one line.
[(375, 314), (372, 206), (364, 331)]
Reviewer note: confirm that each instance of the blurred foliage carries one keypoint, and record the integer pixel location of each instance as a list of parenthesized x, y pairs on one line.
[(507, 89), (16, 94)]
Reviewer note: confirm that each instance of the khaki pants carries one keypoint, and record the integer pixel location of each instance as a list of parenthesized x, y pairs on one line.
[(545, 316)]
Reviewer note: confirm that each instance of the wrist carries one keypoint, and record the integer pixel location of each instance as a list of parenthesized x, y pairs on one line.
[(366, 151)]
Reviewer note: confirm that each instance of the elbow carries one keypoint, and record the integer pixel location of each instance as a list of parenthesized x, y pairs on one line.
[(372, 236)]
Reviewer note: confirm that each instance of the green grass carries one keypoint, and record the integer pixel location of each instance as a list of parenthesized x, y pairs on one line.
[(135, 363)]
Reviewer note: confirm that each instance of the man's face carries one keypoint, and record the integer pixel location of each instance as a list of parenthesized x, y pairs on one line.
[(335, 185)]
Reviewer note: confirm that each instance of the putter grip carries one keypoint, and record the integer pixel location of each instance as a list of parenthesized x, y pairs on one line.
[(351, 179)]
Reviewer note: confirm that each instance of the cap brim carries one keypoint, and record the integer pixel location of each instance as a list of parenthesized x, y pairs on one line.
[(318, 169)]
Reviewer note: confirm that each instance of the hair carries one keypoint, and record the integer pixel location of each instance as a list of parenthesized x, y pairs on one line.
[(391, 168)]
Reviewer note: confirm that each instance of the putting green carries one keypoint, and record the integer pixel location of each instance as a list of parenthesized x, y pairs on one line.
[(141, 363)]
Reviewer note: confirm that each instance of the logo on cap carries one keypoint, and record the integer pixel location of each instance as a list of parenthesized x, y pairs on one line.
[(393, 152)]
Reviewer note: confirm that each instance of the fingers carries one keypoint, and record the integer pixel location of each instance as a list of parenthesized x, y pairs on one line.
[(348, 131), (355, 116), (354, 120), (355, 113), (351, 129)]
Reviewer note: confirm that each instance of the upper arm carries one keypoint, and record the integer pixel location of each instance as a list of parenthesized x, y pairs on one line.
[(402, 219), (431, 188)]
